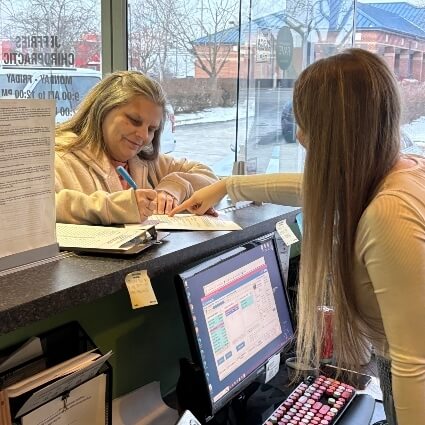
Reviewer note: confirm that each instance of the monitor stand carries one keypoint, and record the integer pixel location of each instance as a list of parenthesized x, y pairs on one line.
[(242, 409)]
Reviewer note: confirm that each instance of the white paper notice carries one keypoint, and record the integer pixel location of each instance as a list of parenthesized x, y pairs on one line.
[(27, 187), (84, 405), (286, 233), (190, 222), (143, 406), (272, 367), (140, 289)]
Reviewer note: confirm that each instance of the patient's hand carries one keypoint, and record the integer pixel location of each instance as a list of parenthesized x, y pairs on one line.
[(165, 202)]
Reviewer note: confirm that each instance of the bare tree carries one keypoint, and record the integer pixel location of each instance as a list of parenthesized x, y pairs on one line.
[(143, 38), (151, 29), (325, 19), (69, 20), (202, 34)]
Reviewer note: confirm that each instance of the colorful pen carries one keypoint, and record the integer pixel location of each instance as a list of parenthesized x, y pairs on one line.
[(124, 174)]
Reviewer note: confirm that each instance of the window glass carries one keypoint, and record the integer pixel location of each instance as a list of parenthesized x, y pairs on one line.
[(280, 40), (49, 49), (396, 31), (191, 48)]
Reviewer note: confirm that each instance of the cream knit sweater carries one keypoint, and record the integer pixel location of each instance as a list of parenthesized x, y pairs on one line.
[(88, 189), (389, 271)]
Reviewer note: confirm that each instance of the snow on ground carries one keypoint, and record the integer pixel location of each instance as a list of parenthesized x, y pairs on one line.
[(218, 114), (416, 130)]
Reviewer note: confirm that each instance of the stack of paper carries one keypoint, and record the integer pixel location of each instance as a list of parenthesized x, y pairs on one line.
[(187, 222), (26, 385)]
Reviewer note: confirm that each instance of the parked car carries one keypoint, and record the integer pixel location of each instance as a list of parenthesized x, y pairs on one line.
[(287, 121), (168, 140), (289, 128), (67, 86)]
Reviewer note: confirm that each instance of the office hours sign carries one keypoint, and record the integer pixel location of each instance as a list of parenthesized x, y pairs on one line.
[(284, 48), (263, 45)]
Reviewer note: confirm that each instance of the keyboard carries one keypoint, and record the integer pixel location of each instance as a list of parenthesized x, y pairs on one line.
[(316, 401)]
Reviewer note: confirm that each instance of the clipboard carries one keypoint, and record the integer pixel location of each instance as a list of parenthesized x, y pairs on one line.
[(142, 239)]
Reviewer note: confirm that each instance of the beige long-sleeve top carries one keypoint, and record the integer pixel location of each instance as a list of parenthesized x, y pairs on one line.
[(89, 191), (389, 271)]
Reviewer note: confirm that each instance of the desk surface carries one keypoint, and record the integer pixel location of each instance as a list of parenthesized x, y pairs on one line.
[(39, 292)]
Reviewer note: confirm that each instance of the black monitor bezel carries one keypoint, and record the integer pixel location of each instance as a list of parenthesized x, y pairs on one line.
[(189, 326)]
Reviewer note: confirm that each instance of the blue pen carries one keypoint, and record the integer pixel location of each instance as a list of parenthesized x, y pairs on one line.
[(123, 173)]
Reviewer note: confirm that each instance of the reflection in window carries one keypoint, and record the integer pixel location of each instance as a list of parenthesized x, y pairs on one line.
[(179, 44), (49, 49)]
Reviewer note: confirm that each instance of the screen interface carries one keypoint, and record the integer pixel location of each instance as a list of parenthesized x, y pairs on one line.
[(240, 316)]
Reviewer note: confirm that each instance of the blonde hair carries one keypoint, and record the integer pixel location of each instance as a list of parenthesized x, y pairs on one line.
[(348, 107), (116, 89)]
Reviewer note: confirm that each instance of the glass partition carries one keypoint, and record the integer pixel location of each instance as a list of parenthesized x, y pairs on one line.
[(396, 31), (50, 49), (191, 48), (282, 39)]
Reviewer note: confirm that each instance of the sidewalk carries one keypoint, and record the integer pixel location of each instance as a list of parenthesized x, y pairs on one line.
[(218, 114)]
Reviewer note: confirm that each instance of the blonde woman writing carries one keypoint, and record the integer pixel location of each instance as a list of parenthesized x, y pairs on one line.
[(364, 224), (119, 123)]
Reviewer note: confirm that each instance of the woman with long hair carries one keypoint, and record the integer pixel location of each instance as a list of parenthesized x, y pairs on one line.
[(363, 247), (119, 123)]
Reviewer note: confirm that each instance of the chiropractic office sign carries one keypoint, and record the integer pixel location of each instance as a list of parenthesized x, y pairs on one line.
[(38, 50)]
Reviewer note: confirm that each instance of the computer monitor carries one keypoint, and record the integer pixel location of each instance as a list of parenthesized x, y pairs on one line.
[(237, 316)]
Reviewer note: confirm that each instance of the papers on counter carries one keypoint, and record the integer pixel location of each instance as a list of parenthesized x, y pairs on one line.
[(79, 236), (187, 222)]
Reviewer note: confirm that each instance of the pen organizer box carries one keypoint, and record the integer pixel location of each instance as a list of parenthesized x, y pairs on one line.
[(52, 374)]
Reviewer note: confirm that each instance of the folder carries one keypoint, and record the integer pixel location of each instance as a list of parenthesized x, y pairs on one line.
[(70, 372)]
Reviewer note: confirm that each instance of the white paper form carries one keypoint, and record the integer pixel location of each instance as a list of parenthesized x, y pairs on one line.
[(99, 237), (83, 406), (27, 187), (60, 386), (27, 351), (189, 222)]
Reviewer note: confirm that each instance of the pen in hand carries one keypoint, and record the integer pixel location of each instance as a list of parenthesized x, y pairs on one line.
[(146, 198), (124, 174)]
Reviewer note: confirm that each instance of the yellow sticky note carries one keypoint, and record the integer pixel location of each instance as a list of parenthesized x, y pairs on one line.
[(140, 289), (286, 233)]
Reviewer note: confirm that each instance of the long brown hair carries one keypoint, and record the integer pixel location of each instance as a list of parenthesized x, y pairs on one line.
[(348, 108), (112, 91)]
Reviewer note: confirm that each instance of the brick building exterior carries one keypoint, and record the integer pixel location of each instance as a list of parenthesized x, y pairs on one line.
[(395, 31)]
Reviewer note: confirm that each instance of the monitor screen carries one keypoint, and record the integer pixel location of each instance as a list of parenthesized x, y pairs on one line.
[(238, 317)]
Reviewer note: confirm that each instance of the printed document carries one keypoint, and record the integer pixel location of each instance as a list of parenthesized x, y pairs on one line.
[(98, 237), (83, 405), (188, 222), (27, 186)]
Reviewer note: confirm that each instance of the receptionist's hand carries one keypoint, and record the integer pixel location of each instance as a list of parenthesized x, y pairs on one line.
[(146, 201), (203, 200), (165, 202)]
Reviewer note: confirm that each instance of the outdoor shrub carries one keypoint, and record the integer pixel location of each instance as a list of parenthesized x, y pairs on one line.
[(196, 94), (413, 100)]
